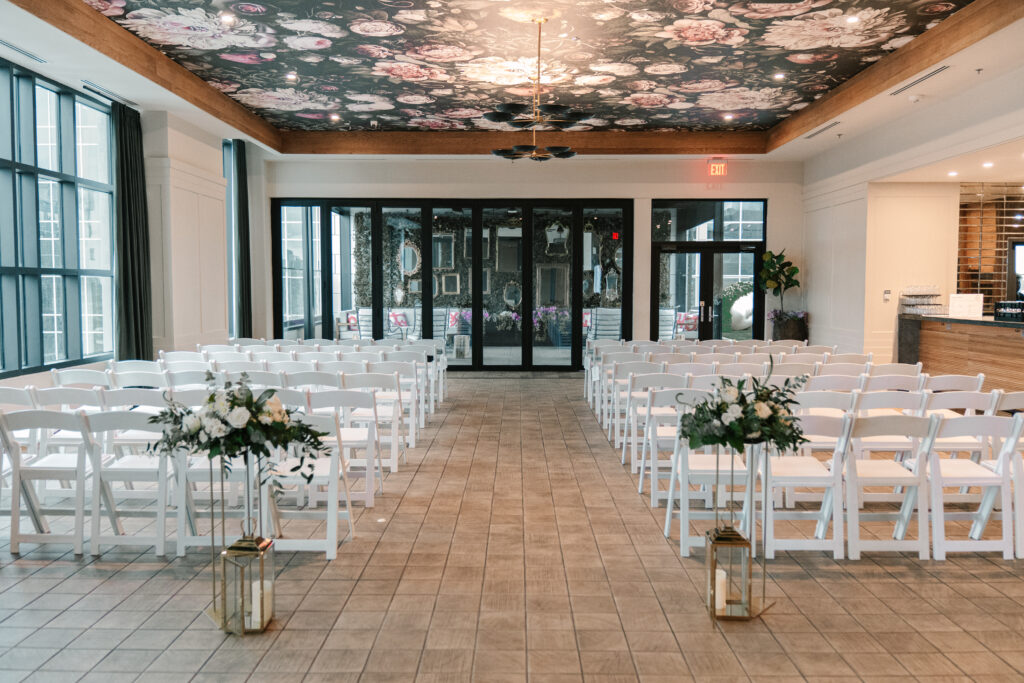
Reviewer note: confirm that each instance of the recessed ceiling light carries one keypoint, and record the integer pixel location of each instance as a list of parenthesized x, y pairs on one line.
[(334, 117), (728, 117), (228, 19), (779, 76), (952, 174), (987, 164), (291, 76), (853, 19)]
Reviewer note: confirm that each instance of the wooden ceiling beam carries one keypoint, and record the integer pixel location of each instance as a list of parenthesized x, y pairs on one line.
[(971, 24), (482, 142), (82, 22)]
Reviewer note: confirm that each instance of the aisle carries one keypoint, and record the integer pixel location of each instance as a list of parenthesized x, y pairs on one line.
[(513, 542)]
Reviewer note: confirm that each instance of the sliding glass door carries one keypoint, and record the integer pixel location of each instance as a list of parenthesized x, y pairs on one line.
[(512, 284)]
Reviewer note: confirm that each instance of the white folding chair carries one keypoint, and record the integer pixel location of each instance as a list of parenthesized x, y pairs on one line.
[(195, 379), (637, 410), (753, 357), (218, 348), (786, 369), (802, 469), (851, 369), (186, 366), (671, 358), (330, 473), (818, 349), (995, 480), (757, 370), (919, 432), (134, 366), (862, 359), (174, 356), (152, 380), (909, 369), (271, 356), (427, 370), (843, 383), (613, 391), (600, 371), (684, 369), (717, 357), (146, 401), (387, 392), (79, 377), (357, 430), (228, 356), (347, 367), (263, 379), (937, 383), (365, 356), (33, 460), (291, 366), (874, 383), (312, 379), (225, 366), (664, 406), (412, 383), (806, 358), (117, 441)]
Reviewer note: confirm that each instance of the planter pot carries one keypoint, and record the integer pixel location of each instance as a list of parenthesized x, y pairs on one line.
[(790, 328)]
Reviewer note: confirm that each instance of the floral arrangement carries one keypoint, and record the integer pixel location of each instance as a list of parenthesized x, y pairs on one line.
[(235, 423), (744, 412), (506, 320), (549, 315)]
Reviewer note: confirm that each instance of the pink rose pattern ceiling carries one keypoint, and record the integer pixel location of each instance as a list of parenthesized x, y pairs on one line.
[(440, 64)]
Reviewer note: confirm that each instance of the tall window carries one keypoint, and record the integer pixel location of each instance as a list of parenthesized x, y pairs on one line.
[(56, 225)]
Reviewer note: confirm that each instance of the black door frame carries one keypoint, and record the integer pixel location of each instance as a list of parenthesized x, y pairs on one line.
[(707, 250), (426, 206)]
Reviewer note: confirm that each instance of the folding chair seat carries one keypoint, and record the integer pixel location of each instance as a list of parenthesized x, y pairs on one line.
[(388, 409)]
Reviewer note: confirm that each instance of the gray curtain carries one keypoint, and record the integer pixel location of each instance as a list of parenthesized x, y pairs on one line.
[(242, 255), (134, 300)]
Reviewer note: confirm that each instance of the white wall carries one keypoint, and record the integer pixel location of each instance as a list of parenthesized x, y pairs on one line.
[(185, 189), (639, 179), (912, 235)]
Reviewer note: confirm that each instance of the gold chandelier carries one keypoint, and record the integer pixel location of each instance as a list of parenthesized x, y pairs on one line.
[(533, 115)]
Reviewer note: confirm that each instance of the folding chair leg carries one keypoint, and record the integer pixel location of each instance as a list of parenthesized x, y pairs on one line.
[(938, 521), (80, 510), (853, 520)]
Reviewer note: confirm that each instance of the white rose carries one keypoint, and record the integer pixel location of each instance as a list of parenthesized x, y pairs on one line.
[(220, 403), (730, 394), (763, 411), (191, 423), (214, 427), (239, 417)]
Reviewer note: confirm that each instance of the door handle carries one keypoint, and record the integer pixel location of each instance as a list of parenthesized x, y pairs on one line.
[(703, 313)]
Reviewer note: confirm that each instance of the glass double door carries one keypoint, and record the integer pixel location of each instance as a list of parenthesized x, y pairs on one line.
[(706, 292), (517, 284)]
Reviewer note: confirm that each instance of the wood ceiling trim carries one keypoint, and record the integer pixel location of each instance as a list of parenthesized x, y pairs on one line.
[(973, 23), (82, 22), (482, 142)]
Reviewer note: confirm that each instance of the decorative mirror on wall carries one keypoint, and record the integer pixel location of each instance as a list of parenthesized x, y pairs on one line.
[(444, 252), (611, 286), (557, 237), (618, 258), (450, 283), (552, 285), (512, 294), (409, 259), (485, 280), (509, 250), (415, 286)]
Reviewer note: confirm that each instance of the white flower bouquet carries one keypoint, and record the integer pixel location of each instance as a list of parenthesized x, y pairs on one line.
[(745, 412), (234, 423)]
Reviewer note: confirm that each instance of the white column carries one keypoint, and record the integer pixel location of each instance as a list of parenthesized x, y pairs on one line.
[(642, 268)]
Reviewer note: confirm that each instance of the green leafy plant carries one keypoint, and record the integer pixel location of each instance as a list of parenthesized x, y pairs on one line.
[(777, 275), (747, 411)]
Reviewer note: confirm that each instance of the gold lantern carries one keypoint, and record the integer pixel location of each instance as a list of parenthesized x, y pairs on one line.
[(729, 575), (246, 601)]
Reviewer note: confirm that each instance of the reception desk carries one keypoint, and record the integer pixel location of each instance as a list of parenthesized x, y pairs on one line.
[(965, 346)]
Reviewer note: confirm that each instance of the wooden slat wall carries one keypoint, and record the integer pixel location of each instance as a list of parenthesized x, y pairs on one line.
[(963, 349)]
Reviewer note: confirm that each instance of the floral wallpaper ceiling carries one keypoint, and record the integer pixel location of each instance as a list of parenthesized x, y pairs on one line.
[(440, 64)]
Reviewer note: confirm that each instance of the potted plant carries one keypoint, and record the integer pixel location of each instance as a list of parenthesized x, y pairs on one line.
[(777, 275)]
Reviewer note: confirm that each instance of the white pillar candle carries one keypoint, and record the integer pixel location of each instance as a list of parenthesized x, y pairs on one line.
[(721, 589), (256, 621)]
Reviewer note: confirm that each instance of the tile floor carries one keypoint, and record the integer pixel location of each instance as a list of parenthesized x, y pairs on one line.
[(513, 547)]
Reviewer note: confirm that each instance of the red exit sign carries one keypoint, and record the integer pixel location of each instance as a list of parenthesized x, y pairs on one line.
[(718, 168)]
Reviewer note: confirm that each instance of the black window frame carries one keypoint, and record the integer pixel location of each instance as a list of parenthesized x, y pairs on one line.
[(21, 329)]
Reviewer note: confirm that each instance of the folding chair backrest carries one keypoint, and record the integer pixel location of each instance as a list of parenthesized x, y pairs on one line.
[(892, 382), (834, 382), (118, 399), (752, 357), (912, 426), (753, 369), (313, 341), (66, 398), (326, 423), (705, 382), (670, 358), (972, 402), (624, 370), (171, 356), (804, 357), (825, 400), (342, 399), (311, 356), (260, 348), (193, 378), (42, 420), (684, 346), (816, 348), (909, 369), (186, 365), (1011, 401), (296, 399), (795, 369), (858, 358), (853, 369), (239, 366), (311, 378), (716, 357), (833, 426), (686, 399), (701, 351), (776, 348), (277, 343), (715, 342), (368, 356), (789, 342), (984, 427), (291, 366), (192, 398), (247, 341), (17, 398), (79, 377), (339, 346), (650, 347), (911, 402), (684, 369), (346, 366), (954, 382), (271, 356), (255, 378), (122, 380), (122, 420), (406, 356), (371, 380), (658, 380), (746, 345), (134, 366), (229, 356), (403, 369), (217, 348)]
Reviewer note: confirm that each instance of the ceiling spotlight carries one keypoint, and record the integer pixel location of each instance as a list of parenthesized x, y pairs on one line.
[(291, 76), (728, 117), (952, 174), (334, 117), (227, 18), (987, 164), (779, 76), (852, 19)]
